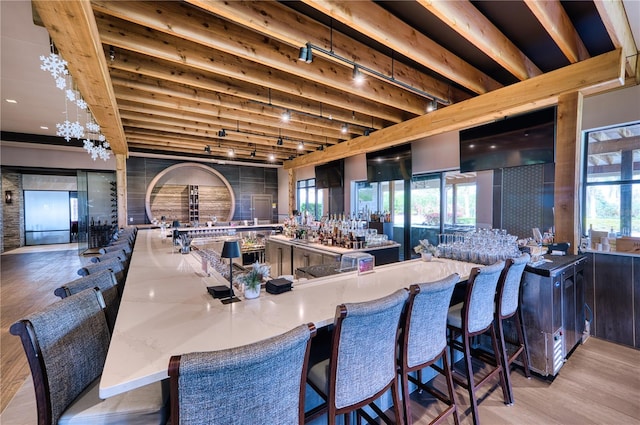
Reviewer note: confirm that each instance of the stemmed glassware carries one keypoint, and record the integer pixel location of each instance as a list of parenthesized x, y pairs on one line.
[(482, 246)]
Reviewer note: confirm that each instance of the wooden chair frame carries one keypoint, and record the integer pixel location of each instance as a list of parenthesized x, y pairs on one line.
[(445, 370), (464, 346)]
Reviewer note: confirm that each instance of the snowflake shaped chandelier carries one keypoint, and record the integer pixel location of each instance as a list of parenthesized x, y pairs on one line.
[(94, 142)]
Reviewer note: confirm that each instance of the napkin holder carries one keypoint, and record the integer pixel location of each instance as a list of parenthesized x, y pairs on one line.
[(278, 286)]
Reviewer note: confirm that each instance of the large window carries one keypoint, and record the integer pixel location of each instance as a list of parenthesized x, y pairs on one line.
[(612, 180), (430, 198), (460, 200), (309, 200)]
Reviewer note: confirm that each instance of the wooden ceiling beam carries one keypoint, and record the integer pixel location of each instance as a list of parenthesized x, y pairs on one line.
[(196, 128), (376, 23), (239, 140), (205, 31), (307, 98), (72, 27), (219, 123), (616, 22), (282, 23), (230, 118), (137, 65), (152, 140), (466, 20), (224, 101), (604, 72), (557, 23), (215, 155), (613, 145)]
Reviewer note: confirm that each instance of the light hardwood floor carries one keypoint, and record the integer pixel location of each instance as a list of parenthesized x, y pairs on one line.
[(599, 384), (29, 276)]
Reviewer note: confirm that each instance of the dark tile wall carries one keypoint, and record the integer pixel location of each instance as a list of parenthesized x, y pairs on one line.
[(245, 181), (523, 199)]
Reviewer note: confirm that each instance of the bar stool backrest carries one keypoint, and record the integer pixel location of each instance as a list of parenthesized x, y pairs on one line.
[(66, 345), (426, 336), (261, 383), (106, 282), (364, 348), (511, 285), (479, 308)]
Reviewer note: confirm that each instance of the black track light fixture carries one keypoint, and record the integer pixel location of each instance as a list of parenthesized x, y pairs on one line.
[(222, 133), (253, 153), (207, 149), (306, 54), (279, 141)]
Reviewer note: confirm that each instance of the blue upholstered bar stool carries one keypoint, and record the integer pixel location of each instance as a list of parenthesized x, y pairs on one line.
[(424, 342), (475, 316), (363, 362), (260, 383), (106, 282), (66, 346), (508, 306)]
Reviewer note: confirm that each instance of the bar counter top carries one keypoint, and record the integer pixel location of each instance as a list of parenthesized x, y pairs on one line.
[(166, 309)]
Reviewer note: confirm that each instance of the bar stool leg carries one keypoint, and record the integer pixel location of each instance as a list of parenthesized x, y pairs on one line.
[(501, 372)]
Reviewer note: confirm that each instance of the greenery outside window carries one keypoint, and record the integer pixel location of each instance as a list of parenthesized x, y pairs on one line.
[(611, 194), (309, 200)]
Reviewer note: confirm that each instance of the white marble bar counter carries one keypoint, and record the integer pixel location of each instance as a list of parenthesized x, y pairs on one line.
[(166, 309)]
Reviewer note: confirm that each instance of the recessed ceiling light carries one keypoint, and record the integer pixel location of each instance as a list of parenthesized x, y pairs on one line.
[(44, 127), (11, 101)]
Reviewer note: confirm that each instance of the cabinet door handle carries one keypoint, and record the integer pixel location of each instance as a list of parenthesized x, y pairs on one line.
[(279, 261)]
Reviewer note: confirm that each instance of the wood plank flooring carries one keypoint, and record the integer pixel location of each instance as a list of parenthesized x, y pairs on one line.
[(599, 384), (29, 277)]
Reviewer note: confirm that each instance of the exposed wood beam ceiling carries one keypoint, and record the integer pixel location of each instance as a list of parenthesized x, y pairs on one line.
[(170, 76)]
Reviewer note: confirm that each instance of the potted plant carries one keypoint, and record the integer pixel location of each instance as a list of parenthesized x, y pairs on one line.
[(426, 250), (253, 279)]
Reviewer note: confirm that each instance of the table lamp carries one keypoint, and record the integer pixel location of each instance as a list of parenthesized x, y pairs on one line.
[(230, 250)]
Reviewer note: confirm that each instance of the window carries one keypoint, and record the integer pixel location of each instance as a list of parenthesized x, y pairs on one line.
[(307, 199), (429, 199), (612, 180), (460, 200)]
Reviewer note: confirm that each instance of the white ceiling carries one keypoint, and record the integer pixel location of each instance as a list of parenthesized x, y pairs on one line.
[(40, 103)]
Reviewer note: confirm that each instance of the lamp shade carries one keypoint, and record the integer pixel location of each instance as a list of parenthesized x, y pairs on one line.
[(230, 249)]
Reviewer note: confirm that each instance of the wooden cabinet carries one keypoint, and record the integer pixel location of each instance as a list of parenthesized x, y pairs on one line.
[(613, 298)]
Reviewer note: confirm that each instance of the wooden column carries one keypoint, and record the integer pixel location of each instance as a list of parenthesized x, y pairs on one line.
[(292, 190), (567, 170), (121, 184)]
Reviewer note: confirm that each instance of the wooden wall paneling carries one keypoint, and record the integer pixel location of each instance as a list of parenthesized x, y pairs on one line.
[(171, 201), (214, 201), (242, 179), (614, 298)]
